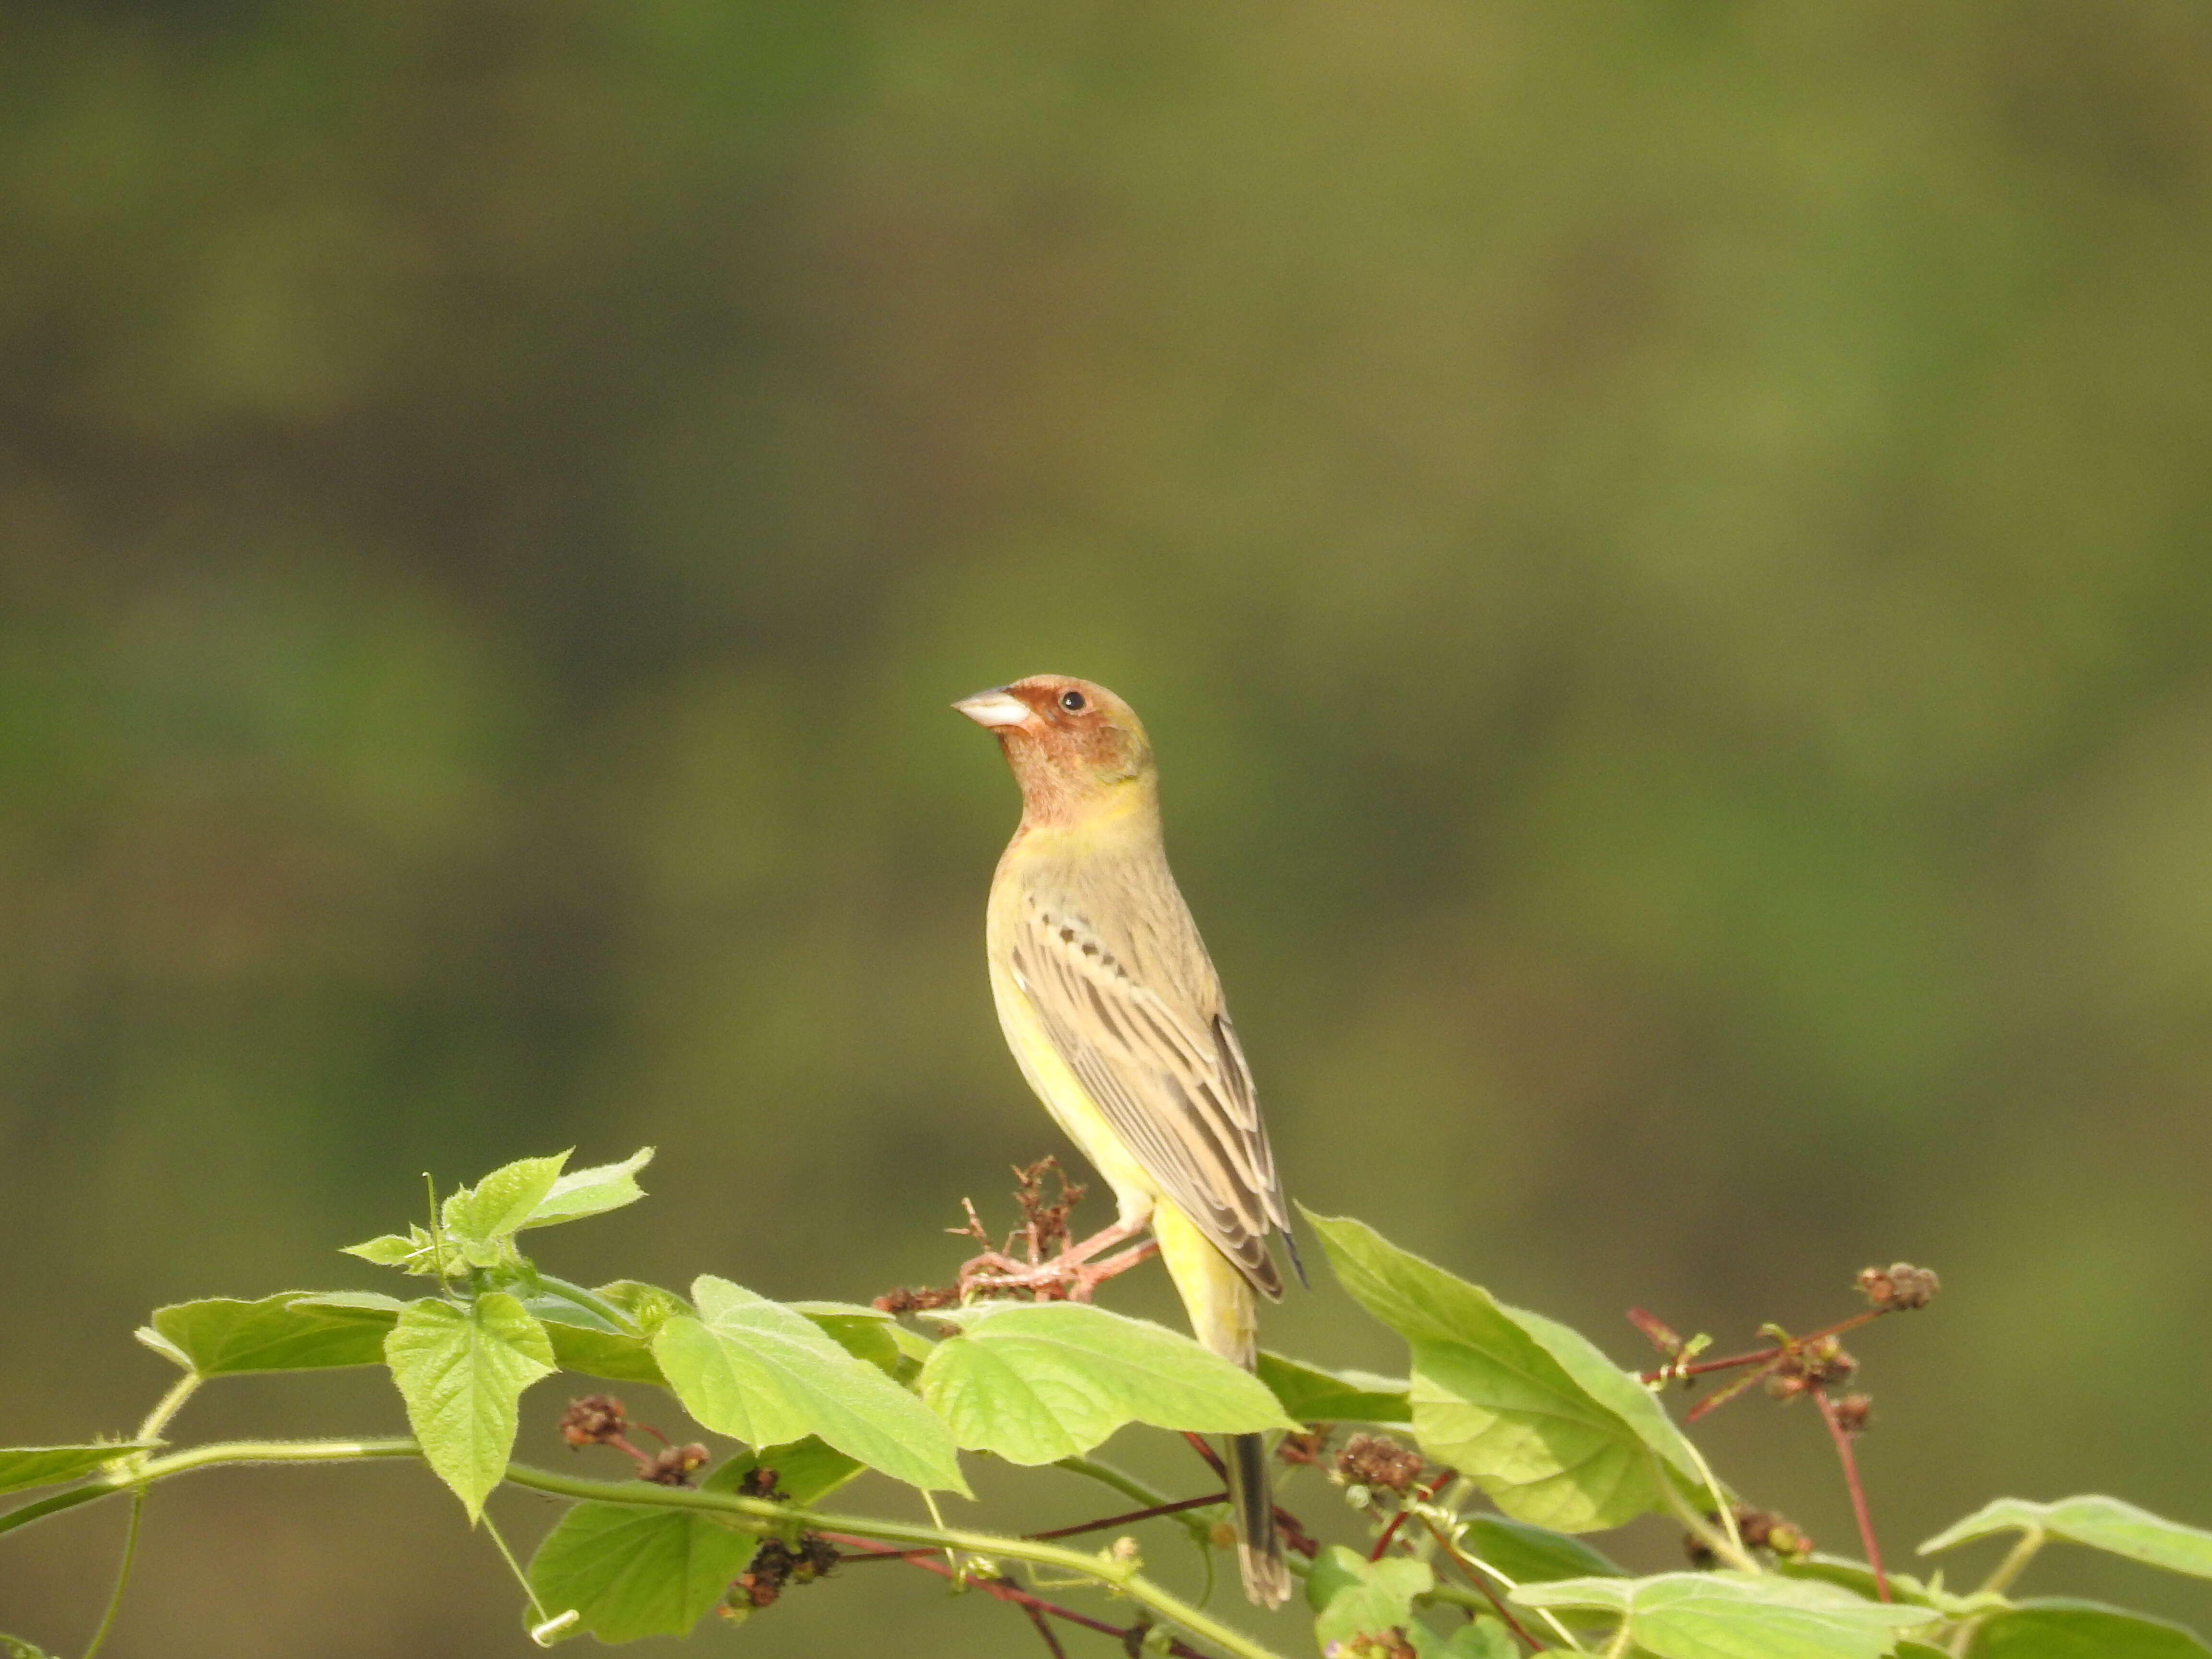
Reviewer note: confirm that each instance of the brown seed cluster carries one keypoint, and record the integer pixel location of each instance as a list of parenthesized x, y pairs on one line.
[(672, 1466), (916, 1300), (776, 1567), (596, 1419), (1852, 1413), (1899, 1287), (1818, 1364), (1760, 1529), (1377, 1461)]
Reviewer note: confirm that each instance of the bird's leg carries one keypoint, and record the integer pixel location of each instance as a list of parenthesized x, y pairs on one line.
[(1088, 1278)]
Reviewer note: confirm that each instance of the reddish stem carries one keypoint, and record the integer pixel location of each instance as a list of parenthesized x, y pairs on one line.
[(1483, 1584), (1389, 1533), (1666, 1373), (1035, 1606), (1044, 1629), (1851, 1462), (1132, 1516), (1213, 1458)]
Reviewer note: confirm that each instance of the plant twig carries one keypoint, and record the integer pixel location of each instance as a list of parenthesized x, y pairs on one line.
[(1036, 1607), (751, 1514), (122, 1575), (1044, 1629), (1760, 1356), (1131, 1518), (1444, 1542), (1849, 1458)]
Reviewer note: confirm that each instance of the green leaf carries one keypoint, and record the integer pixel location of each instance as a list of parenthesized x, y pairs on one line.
[(1858, 1578), (1037, 1382), (602, 1188), (391, 1249), (1538, 1416), (2102, 1523), (752, 1369), (489, 1214), (23, 1466), (1353, 1597), (658, 1572), (1482, 1637), (1313, 1396), (291, 1331), (596, 1353), (1533, 1555), (646, 1306), (460, 1371), (632, 1572), (14, 1647), (585, 1341), (864, 1332), (364, 1301), (806, 1471), (1728, 1615), (2067, 1629)]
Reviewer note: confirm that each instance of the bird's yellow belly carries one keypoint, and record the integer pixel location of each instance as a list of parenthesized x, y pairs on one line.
[(1069, 1101)]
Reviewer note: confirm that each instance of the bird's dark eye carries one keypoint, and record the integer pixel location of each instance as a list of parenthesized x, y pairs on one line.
[(1072, 702)]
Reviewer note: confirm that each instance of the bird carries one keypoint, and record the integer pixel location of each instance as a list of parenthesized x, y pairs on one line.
[(1115, 1014)]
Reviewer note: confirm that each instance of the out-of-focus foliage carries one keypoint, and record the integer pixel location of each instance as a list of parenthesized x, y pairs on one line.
[(1663, 548)]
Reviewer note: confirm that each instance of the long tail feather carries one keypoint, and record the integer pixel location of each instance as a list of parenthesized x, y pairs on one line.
[(1252, 1503)]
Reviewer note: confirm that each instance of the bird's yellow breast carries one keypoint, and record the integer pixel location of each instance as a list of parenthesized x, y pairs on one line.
[(1065, 1097)]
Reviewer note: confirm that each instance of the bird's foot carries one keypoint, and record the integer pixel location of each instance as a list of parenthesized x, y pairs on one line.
[(1071, 1276)]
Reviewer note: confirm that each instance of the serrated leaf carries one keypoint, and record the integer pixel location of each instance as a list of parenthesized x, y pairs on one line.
[(752, 1369), (490, 1213), (1037, 1382), (460, 1371), (2102, 1523), (1312, 1394), (1353, 1596), (1531, 1554), (631, 1572), (291, 1331), (1532, 1411), (2063, 1628), (25, 1467), (594, 1191), (1728, 1615), (389, 1249)]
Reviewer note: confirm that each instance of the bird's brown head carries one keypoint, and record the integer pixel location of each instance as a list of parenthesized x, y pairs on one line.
[(1073, 746)]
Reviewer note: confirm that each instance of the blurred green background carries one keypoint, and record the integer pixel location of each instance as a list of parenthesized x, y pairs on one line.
[(1663, 548)]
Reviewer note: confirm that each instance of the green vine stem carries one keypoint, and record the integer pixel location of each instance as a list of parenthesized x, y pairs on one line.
[(755, 1514)]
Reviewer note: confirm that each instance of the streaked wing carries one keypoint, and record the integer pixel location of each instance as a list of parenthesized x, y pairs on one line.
[(1163, 1064)]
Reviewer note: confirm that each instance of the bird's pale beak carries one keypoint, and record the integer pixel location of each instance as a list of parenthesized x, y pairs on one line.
[(996, 707)]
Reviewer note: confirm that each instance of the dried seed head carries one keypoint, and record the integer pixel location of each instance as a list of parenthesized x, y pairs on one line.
[(596, 1419), (1899, 1287), (1852, 1411), (1376, 1460), (674, 1464), (1821, 1364)]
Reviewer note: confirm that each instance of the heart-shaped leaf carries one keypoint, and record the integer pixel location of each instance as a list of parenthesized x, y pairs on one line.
[(1037, 1382), (1551, 1429), (754, 1370)]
